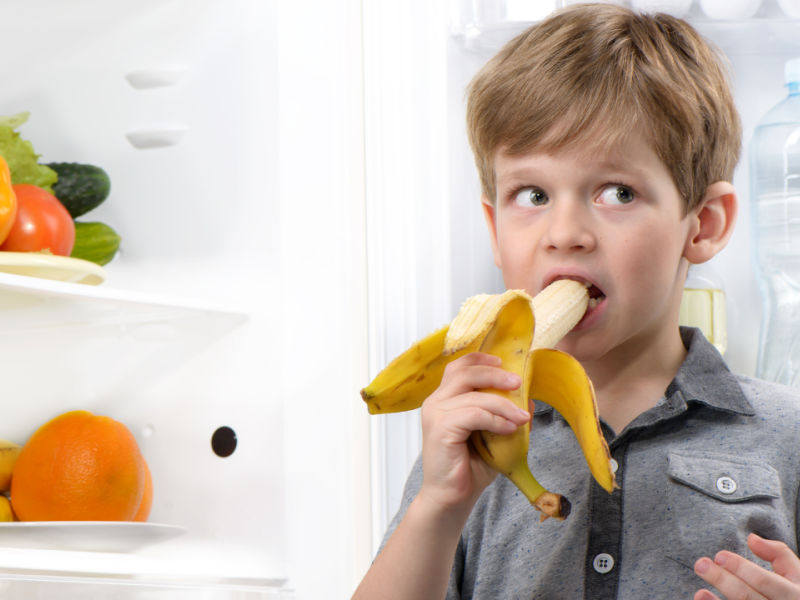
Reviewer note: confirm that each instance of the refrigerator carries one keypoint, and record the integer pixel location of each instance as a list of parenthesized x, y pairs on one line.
[(297, 204)]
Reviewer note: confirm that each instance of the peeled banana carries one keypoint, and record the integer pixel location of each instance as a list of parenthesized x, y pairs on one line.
[(9, 452), (522, 331)]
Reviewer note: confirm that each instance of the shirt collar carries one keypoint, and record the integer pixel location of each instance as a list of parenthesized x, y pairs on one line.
[(702, 378)]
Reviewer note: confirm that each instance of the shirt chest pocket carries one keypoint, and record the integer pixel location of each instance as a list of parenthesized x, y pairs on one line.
[(715, 501)]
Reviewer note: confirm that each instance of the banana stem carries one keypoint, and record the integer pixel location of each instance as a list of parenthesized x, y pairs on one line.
[(551, 505)]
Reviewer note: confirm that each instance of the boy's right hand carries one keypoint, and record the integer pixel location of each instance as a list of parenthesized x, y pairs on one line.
[(454, 475)]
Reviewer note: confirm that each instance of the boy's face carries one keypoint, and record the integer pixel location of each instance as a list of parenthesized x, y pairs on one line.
[(614, 221)]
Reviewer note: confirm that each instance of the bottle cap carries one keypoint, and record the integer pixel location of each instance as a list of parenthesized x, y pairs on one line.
[(792, 71)]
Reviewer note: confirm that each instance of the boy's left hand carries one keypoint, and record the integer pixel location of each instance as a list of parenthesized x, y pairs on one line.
[(740, 579)]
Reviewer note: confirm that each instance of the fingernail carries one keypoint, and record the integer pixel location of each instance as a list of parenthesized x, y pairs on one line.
[(702, 566), (514, 379), (524, 413), (721, 559)]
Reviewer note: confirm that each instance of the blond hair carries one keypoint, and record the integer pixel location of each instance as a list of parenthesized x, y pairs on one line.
[(590, 75)]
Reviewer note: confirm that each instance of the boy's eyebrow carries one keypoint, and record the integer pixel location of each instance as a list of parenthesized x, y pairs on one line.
[(516, 174), (622, 167)]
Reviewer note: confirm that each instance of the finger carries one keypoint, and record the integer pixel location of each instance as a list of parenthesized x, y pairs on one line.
[(766, 583), (494, 403), (462, 377), (727, 583), (478, 411), (705, 595), (784, 562)]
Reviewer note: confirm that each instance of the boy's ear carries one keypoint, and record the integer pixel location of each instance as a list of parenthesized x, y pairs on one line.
[(712, 223), (490, 215)]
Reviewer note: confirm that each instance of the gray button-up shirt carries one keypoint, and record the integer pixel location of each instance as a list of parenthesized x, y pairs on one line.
[(716, 459)]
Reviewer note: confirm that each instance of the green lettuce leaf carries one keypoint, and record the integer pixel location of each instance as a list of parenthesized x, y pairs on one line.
[(14, 121), (22, 160)]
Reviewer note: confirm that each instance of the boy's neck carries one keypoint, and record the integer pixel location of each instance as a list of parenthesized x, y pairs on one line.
[(633, 377)]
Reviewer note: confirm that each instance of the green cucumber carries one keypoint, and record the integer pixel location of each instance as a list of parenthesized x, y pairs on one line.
[(80, 188), (95, 242)]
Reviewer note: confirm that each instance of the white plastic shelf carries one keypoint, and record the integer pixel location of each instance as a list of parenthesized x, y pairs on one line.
[(30, 304), (25, 587), (73, 345), (191, 568)]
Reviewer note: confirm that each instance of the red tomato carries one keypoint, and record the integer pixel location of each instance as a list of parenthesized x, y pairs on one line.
[(42, 223)]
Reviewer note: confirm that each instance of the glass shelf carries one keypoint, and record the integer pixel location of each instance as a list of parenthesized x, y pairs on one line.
[(25, 587), (78, 345)]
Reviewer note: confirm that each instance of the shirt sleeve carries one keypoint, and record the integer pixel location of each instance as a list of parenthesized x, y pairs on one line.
[(413, 483)]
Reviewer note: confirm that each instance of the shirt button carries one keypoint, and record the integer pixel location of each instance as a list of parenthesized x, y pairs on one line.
[(614, 466), (726, 485), (603, 563)]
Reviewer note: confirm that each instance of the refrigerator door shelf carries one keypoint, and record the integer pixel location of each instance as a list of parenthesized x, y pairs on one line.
[(752, 37), (86, 536), (32, 303), (85, 346), (194, 565), (761, 34), (22, 587)]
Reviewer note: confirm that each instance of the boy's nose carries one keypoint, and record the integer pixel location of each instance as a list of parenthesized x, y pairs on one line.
[(569, 229)]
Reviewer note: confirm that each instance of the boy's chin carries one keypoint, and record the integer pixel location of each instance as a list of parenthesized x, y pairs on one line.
[(580, 348)]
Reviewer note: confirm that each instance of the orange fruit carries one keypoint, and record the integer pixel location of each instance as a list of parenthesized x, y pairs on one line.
[(147, 498), (79, 467)]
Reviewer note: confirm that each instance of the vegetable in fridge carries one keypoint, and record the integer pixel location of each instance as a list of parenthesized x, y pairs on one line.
[(80, 187), (22, 160), (42, 223), (96, 242)]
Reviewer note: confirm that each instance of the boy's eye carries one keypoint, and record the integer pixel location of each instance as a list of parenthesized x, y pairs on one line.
[(616, 195), (531, 197)]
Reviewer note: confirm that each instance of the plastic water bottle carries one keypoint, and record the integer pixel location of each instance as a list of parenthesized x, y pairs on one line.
[(775, 206)]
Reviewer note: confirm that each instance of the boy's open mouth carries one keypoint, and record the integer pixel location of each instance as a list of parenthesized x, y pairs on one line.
[(596, 295)]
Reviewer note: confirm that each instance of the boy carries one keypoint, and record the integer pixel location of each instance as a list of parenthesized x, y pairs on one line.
[(606, 142)]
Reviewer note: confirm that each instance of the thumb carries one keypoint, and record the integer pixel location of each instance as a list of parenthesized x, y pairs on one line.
[(784, 562)]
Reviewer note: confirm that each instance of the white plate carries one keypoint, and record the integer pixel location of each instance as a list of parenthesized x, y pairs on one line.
[(86, 536), (49, 266)]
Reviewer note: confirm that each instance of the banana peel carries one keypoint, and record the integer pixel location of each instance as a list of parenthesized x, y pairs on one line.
[(504, 325), (9, 452), (6, 512)]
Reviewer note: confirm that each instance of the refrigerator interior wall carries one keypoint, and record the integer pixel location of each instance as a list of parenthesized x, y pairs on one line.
[(238, 188)]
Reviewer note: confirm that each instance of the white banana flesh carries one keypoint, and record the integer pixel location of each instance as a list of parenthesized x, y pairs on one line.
[(557, 309)]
